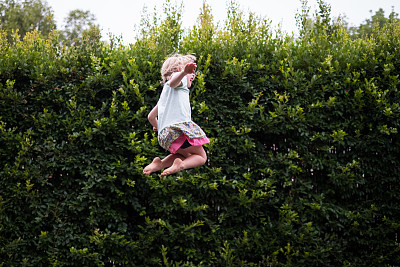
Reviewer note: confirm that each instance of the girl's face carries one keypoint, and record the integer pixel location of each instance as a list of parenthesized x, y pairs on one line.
[(190, 77)]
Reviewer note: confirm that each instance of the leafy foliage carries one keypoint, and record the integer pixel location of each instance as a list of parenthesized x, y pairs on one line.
[(378, 21), (26, 16), (303, 159), (79, 23), (19, 17)]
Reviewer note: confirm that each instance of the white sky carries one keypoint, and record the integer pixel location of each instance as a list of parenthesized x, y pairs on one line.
[(120, 16)]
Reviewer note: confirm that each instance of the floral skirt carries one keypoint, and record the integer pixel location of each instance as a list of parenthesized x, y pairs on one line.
[(172, 137)]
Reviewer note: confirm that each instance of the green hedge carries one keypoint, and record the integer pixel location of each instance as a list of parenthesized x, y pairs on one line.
[(303, 165)]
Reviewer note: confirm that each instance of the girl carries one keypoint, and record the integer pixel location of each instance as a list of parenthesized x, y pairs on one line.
[(171, 117)]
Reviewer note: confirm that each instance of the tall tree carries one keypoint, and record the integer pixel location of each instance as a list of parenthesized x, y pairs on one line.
[(26, 16), (78, 24), (377, 20)]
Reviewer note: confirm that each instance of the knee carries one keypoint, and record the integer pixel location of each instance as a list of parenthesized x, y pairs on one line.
[(204, 158)]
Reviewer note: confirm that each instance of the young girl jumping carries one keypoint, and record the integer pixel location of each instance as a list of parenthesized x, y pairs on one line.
[(171, 117)]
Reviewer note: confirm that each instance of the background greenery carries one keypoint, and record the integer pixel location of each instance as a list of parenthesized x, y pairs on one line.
[(303, 165), (23, 16)]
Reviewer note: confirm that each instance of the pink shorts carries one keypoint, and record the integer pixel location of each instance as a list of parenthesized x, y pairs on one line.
[(181, 139)]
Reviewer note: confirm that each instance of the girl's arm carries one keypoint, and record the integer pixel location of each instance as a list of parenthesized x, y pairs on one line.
[(177, 79), (152, 117)]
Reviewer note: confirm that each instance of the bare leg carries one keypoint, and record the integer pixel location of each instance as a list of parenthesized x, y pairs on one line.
[(154, 166), (159, 164), (194, 156), (176, 167)]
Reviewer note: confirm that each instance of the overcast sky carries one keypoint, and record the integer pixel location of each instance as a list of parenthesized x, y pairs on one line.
[(120, 16)]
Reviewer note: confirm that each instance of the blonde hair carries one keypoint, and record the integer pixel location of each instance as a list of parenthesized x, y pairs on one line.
[(175, 63)]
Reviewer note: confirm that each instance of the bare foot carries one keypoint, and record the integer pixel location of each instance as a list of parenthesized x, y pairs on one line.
[(176, 167), (154, 166)]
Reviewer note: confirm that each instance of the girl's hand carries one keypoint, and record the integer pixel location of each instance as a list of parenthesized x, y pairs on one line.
[(189, 68), (176, 79), (155, 129)]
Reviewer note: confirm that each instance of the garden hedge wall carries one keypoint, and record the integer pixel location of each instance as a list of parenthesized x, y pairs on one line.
[(303, 164)]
